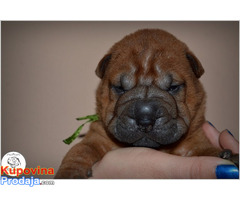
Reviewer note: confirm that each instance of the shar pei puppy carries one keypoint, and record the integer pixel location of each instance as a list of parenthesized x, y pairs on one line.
[(149, 96)]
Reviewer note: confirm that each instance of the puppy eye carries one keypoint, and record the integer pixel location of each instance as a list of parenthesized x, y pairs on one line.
[(118, 89), (174, 88)]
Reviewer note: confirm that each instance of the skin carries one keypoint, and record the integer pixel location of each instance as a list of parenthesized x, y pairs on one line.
[(140, 163), (139, 72)]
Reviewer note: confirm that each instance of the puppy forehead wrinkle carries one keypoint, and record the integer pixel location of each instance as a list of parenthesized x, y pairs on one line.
[(146, 81), (146, 61), (164, 81), (133, 68), (128, 78), (158, 69), (128, 81)]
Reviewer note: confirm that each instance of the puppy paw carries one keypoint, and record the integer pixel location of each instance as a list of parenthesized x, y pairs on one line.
[(227, 154), (68, 173)]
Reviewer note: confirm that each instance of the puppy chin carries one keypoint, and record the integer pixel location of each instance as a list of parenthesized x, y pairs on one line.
[(146, 142)]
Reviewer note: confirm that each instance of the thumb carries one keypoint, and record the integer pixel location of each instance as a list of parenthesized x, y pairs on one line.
[(148, 163), (202, 167)]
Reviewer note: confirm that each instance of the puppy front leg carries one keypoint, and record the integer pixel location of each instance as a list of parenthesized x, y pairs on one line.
[(79, 160)]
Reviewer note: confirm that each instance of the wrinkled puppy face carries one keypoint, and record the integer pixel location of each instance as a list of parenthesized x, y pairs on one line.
[(149, 91)]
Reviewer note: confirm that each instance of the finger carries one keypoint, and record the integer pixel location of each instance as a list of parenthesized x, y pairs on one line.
[(176, 167), (212, 134), (143, 163), (227, 141)]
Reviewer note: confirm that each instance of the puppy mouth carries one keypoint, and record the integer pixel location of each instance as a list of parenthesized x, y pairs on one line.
[(148, 123), (153, 137)]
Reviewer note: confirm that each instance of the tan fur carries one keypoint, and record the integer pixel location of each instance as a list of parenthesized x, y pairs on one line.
[(142, 59)]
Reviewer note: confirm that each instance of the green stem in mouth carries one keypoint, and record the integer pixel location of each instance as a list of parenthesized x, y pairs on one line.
[(91, 118)]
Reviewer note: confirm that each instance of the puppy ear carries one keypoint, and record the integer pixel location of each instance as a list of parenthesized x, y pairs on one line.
[(195, 64), (102, 65)]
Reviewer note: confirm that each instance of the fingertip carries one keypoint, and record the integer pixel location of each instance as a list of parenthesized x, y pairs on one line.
[(227, 172), (211, 133), (228, 142), (212, 168), (211, 124), (230, 133), (208, 126)]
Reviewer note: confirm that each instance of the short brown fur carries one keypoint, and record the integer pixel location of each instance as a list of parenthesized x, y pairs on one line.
[(140, 56)]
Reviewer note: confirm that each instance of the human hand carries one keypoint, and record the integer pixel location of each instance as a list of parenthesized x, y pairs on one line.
[(146, 163), (223, 140)]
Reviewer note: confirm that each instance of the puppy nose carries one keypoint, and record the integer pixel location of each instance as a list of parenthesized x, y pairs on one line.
[(145, 113)]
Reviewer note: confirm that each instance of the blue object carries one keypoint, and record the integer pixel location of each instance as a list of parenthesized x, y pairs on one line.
[(230, 133), (211, 124), (227, 172)]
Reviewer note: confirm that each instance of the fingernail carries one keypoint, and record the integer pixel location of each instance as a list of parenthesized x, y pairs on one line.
[(230, 133), (211, 124), (227, 172)]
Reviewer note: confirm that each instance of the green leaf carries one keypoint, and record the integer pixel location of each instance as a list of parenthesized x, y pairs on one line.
[(70, 139), (91, 118)]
